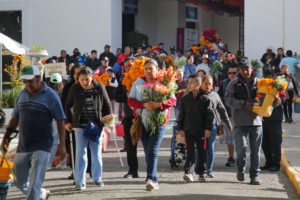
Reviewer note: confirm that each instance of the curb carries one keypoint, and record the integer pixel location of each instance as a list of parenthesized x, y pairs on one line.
[(292, 173)]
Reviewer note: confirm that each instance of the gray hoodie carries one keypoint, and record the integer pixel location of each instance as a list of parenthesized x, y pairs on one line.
[(237, 94), (220, 112)]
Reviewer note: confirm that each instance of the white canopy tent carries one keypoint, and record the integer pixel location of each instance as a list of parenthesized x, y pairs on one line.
[(12, 46)]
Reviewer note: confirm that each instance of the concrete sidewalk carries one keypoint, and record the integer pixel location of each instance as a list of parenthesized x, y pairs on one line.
[(223, 186), (291, 153)]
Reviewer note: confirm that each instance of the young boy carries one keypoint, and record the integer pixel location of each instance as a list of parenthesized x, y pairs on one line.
[(195, 122)]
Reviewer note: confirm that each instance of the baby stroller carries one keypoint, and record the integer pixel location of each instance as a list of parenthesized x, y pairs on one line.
[(178, 152)]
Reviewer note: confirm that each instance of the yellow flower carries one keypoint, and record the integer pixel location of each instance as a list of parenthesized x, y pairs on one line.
[(5, 70)]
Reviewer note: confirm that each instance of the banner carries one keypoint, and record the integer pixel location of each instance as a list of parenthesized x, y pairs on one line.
[(55, 68)]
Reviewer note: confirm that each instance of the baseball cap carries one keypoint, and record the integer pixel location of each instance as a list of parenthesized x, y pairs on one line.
[(55, 78), (107, 46), (244, 62), (105, 58), (172, 48), (28, 72)]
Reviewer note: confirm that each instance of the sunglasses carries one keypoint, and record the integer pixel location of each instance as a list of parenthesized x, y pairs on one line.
[(233, 73)]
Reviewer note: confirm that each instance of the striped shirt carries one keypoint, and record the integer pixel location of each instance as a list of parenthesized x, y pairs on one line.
[(88, 111)]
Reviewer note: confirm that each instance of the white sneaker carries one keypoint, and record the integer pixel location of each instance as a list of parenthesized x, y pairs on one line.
[(150, 185), (49, 168), (188, 178), (60, 167), (179, 157), (44, 194)]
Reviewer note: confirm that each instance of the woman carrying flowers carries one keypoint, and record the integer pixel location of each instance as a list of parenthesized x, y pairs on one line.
[(291, 87), (151, 111)]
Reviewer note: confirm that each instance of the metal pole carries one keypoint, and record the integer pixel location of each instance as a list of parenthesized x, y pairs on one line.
[(283, 24), (113, 133)]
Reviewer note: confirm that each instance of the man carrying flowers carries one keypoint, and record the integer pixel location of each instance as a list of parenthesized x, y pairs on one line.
[(240, 97)]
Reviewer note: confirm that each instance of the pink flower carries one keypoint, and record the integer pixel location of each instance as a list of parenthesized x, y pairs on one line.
[(282, 94)]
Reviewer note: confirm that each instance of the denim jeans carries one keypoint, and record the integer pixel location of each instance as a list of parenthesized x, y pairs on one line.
[(81, 158), (53, 152), (210, 148), (151, 145), (31, 164), (255, 139)]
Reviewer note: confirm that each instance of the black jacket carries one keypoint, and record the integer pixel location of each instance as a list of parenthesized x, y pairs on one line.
[(76, 99), (195, 114), (93, 64), (121, 97), (277, 114), (110, 56)]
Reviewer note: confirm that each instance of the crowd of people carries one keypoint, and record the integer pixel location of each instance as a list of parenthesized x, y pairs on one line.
[(206, 104)]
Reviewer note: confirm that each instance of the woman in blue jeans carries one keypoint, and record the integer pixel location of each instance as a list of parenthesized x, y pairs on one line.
[(220, 113), (151, 142), (89, 101)]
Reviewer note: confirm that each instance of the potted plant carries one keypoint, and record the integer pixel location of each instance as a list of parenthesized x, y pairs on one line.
[(9, 96)]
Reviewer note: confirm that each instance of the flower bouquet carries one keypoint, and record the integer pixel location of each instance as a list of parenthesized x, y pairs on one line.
[(136, 71), (160, 91), (109, 120), (209, 37), (268, 89), (216, 66), (170, 60), (104, 78)]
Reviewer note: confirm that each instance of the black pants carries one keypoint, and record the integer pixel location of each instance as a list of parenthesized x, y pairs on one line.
[(287, 105), (271, 145), (191, 139), (131, 149)]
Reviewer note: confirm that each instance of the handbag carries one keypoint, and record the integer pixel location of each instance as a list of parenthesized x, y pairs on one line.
[(92, 131), (120, 130), (221, 130), (136, 130)]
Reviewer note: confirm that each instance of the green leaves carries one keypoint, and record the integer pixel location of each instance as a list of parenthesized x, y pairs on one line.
[(256, 64)]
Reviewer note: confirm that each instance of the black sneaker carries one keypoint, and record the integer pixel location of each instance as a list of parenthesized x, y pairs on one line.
[(274, 168), (71, 177), (230, 162), (201, 177), (240, 176)]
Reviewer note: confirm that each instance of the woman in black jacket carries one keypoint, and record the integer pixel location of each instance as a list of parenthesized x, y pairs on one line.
[(73, 80), (291, 87), (89, 101), (132, 161)]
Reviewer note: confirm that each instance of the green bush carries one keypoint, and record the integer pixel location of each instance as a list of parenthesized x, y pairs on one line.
[(9, 97), (134, 39)]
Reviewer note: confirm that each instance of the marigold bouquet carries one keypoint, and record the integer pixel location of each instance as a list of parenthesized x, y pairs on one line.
[(136, 71), (104, 78), (169, 59), (279, 83)]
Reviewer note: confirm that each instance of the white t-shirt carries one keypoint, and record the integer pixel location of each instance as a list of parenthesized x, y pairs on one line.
[(204, 67)]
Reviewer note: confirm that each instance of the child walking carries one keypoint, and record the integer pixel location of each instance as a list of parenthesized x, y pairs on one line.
[(195, 122)]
